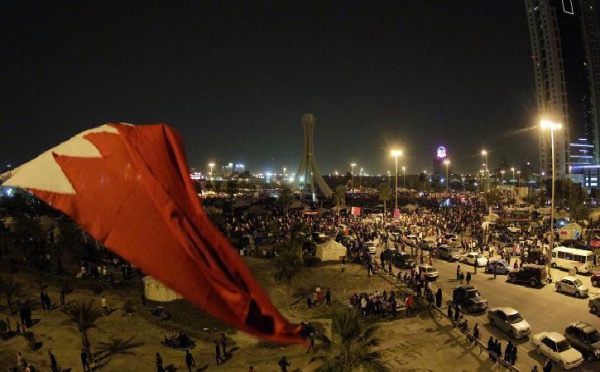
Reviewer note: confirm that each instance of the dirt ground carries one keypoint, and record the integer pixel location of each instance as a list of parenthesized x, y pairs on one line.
[(129, 342)]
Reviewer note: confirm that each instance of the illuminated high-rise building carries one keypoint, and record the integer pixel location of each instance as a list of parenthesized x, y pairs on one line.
[(566, 59)]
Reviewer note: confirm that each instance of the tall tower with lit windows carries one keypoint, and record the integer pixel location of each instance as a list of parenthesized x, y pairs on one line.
[(565, 44)]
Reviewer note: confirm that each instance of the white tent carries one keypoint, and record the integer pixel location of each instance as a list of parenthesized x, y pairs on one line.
[(330, 251), (570, 231), (157, 291)]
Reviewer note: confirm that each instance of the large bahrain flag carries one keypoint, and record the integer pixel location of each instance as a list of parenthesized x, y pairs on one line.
[(129, 187)]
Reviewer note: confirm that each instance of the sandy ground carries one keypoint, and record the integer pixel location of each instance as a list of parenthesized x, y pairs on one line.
[(129, 342)]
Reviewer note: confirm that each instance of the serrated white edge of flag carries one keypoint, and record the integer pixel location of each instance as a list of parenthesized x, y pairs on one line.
[(43, 173)]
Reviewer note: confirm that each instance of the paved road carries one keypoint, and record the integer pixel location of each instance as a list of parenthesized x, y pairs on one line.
[(544, 308)]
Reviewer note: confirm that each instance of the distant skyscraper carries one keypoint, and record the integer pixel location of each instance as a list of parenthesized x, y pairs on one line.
[(566, 59)]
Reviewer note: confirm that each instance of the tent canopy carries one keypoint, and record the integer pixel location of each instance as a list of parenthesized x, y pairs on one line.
[(330, 251)]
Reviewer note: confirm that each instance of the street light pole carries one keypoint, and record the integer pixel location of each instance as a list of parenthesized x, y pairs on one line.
[(545, 124), (513, 170), (284, 175), (361, 174), (487, 171), (404, 174), (395, 154), (447, 180), (353, 165), (211, 165)]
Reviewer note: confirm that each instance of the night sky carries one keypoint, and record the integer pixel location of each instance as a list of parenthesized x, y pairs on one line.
[(234, 78)]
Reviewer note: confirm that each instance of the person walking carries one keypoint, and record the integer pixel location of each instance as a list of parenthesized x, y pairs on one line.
[(457, 273), (283, 364), (469, 277), (328, 297), (218, 353), (438, 298), (104, 305), (534, 369), (476, 332), (189, 360), (495, 270), (84, 361), (461, 278), (53, 363), (498, 348), (450, 314), (513, 356)]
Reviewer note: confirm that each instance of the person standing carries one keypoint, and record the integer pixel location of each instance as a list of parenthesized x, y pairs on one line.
[(104, 305), (189, 360), (461, 278), (62, 298), (328, 297), (53, 364), (283, 364), (495, 270), (159, 363), (469, 277), (438, 298), (513, 356), (343, 263), (84, 361), (218, 353), (457, 272), (547, 365), (476, 332), (224, 344), (309, 300), (491, 346), (408, 303)]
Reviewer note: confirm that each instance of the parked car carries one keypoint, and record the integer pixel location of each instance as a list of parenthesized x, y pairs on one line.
[(510, 321), (426, 245), (572, 285), (411, 240), (513, 228), (469, 298), (501, 267), (584, 338), (403, 260), (476, 259), (556, 347), (431, 273), (594, 305), (371, 247), (532, 274), (448, 253), (595, 279)]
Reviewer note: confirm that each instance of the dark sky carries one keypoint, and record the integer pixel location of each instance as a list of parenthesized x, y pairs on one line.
[(234, 78)]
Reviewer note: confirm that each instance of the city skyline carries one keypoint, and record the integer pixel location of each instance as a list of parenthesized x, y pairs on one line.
[(234, 80)]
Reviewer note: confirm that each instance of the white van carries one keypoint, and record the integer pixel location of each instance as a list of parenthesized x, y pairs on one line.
[(568, 258)]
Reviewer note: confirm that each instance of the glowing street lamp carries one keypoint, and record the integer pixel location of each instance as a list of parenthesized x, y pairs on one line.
[(447, 162), (211, 165), (513, 170), (549, 125), (284, 175), (502, 176), (395, 154), (361, 174), (353, 165), (487, 171)]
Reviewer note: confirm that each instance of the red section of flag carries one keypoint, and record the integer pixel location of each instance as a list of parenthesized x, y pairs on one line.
[(139, 201)]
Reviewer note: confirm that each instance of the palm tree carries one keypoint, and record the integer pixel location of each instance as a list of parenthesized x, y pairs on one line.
[(351, 347), (385, 195), (83, 316), (339, 195), (289, 264), (10, 288), (285, 199)]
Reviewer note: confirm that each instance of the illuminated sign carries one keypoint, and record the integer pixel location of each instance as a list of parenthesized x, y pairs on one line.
[(441, 152)]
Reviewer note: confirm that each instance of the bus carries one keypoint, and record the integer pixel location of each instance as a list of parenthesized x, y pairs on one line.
[(567, 258)]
